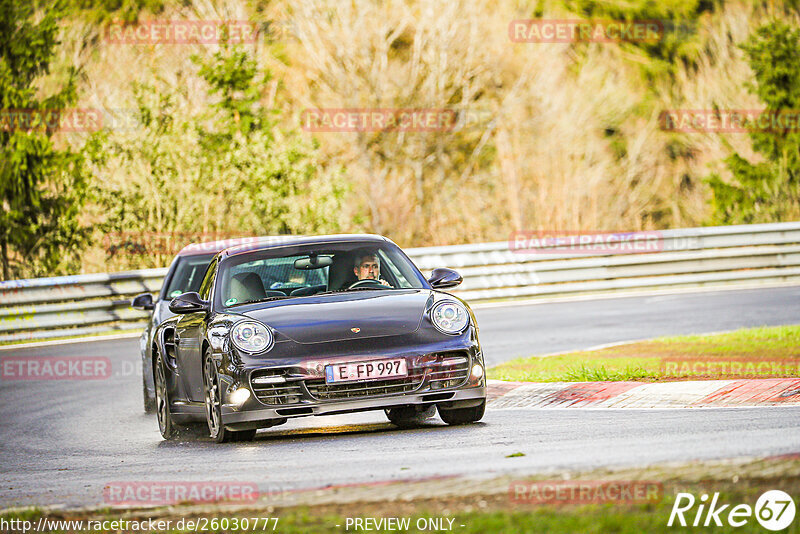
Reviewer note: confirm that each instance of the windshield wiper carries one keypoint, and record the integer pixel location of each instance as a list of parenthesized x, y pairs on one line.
[(346, 290), (266, 299), (355, 289)]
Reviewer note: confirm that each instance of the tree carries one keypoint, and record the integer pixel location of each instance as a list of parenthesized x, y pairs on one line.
[(767, 191), (42, 188), (209, 165), (271, 173)]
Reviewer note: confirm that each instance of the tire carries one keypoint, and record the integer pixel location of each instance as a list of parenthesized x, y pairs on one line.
[(149, 402), (211, 389), (166, 425), (410, 416), (463, 416)]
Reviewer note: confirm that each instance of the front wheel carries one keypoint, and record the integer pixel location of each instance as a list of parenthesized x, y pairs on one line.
[(213, 397), (410, 416), (149, 402), (463, 416), (167, 426)]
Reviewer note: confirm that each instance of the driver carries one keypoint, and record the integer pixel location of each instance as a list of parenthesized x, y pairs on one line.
[(368, 267)]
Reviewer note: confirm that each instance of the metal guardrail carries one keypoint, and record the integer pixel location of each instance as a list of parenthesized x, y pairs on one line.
[(695, 257)]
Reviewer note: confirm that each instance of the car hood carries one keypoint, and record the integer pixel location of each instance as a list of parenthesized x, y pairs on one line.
[(350, 315)]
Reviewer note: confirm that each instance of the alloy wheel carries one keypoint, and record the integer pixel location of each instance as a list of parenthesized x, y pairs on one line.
[(213, 407), (161, 397)]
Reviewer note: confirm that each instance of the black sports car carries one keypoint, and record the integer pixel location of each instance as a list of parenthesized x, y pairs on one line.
[(316, 326)]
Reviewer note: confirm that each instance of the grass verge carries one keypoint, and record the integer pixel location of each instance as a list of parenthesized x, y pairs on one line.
[(489, 507), (765, 352)]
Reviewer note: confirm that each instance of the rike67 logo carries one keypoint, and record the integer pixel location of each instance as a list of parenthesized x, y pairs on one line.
[(774, 510)]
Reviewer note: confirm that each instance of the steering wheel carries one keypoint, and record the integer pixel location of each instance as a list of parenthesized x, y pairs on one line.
[(367, 282)]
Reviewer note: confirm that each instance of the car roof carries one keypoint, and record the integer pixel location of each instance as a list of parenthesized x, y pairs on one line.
[(280, 241), (215, 247)]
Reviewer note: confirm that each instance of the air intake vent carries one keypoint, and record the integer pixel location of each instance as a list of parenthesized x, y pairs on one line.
[(274, 388)]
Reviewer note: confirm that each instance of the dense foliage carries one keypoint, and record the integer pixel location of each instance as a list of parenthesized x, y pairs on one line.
[(42, 188), (180, 175), (769, 190), (207, 141)]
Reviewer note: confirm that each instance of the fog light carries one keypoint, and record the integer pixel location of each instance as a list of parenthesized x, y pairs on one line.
[(477, 370), (239, 396)]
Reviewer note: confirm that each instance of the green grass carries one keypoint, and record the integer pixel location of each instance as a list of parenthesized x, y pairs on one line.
[(737, 482), (588, 519), (646, 360), (585, 519)]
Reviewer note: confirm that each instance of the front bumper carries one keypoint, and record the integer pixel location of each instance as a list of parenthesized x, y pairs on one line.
[(440, 371), (240, 419)]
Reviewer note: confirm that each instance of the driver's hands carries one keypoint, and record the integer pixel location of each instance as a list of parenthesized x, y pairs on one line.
[(384, 282)]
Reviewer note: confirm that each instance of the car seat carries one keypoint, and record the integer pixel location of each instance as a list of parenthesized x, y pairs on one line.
[(340, 273), (247, 287)]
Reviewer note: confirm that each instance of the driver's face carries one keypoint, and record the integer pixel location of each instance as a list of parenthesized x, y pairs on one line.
[(369, 269)]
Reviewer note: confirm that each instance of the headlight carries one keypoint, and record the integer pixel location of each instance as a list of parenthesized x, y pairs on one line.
[(251, 336), (450, 317)]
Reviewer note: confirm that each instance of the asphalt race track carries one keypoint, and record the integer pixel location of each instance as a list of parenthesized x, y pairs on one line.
[(63, 441), (515, 331)]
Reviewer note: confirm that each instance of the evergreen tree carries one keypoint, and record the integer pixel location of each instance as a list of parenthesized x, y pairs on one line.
[(767, 191)]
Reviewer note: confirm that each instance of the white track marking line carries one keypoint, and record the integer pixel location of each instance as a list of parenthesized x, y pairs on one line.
[(666, 394), (656, 396), (86, 339), (630, 294)]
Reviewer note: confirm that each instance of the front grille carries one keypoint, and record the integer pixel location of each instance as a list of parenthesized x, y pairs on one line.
[(279, 393), (372, 388)]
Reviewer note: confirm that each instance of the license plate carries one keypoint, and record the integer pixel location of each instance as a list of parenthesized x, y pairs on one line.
[(352, 372)]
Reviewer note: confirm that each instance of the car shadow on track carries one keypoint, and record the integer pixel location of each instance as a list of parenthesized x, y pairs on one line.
[(323, 432)]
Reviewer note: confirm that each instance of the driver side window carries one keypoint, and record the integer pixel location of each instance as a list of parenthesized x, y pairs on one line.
[(208, 281)]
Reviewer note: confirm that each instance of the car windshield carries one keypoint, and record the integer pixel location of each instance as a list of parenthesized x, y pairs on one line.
[(188, 275), (306, 270)]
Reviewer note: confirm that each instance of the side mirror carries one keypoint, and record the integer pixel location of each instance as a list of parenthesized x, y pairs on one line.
[(143, 302), (188, 303), (443, 278)]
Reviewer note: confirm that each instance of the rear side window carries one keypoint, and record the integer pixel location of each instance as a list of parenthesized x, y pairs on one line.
[(188, 275)]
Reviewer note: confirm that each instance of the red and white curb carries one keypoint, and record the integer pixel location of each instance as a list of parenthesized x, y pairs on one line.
[(691, 394)]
